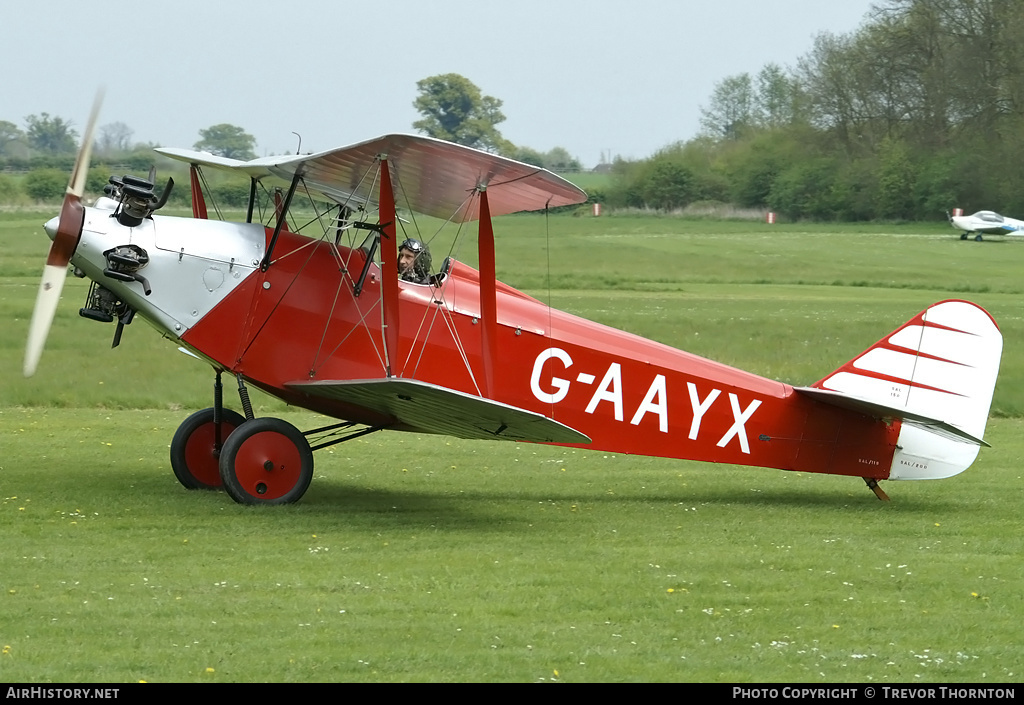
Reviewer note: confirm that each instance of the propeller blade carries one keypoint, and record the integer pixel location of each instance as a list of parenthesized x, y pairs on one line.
[(42, 316), (65, 240)]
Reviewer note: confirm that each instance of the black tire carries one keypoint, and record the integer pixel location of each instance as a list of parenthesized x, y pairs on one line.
[(194, 457), (266, 461), (977, 238), (963, 236)]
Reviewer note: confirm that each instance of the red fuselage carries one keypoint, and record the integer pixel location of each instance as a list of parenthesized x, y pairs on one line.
[(299, 321)]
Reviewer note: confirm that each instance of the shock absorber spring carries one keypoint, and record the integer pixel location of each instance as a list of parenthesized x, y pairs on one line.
[(243, 394)]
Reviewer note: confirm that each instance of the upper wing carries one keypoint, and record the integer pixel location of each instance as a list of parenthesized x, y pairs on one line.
[(431, 176), (206, 159)]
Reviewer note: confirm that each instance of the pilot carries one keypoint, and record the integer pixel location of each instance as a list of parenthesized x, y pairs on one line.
[(414, 262)]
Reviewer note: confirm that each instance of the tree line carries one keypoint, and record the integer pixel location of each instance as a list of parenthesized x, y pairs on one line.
[(919, 110), (47, 147)]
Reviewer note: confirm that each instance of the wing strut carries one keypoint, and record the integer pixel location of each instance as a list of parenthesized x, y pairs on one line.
[(488, 294), (252, 199), (389, 266), (280, 221), (198, 202)]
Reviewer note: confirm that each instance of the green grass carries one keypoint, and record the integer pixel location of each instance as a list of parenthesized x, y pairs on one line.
[(420, 558)]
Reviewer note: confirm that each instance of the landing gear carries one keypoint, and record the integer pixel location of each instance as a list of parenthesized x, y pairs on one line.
[(256, 461), (963, 236), (196, 448), (197, 444), (977, 238), (266, 461), (874, 487)]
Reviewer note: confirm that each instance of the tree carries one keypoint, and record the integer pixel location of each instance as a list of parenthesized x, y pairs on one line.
[(454, 109), (559, 159), (51, 135), (895, 197), (776, 98), (731, 109), (228, 141), (828, 74), (114, 137), (9, 133), (527, 155)]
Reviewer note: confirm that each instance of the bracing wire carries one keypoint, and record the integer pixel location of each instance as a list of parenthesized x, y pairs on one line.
[(547, 237)]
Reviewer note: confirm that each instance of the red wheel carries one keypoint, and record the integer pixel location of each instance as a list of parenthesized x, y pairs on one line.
[(194, 456), (266, 461)]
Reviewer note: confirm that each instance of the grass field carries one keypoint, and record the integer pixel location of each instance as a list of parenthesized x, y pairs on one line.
[(432, 559)]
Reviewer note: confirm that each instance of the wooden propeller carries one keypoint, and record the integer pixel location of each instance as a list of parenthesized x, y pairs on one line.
[(65, 241)]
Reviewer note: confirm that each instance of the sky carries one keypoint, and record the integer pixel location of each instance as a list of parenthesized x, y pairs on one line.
[(599, 78)]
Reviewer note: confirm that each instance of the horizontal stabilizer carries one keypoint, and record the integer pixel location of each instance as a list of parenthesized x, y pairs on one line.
[(883, 411), (429, 408)]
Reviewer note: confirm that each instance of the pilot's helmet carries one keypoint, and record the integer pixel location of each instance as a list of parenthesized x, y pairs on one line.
[(422, 252)]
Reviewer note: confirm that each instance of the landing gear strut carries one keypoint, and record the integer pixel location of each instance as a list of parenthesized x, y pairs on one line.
[(195, 449), (197, 444), (264, 461)]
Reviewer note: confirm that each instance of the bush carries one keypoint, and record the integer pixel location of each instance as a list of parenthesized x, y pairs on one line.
[(139, 162), (230, 195), (46, 184), (667, 185), (894, 199), (806, 190), (99, 176), (935, 187), (854, 190), (10, 190)]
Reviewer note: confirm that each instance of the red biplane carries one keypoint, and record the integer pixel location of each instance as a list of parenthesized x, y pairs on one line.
[(324, 322)]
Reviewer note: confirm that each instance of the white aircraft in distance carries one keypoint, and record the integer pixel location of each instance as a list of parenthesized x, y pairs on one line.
[(987, 223)]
